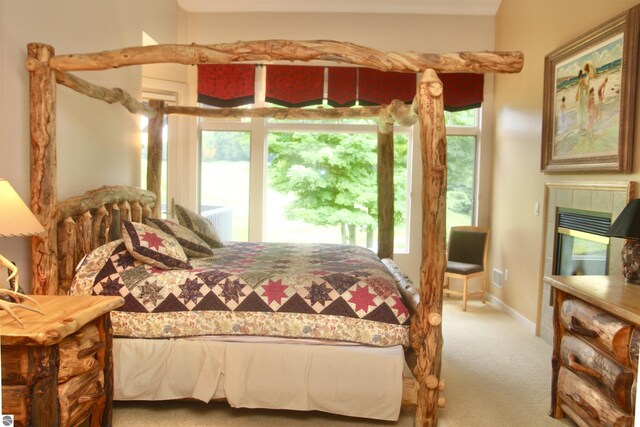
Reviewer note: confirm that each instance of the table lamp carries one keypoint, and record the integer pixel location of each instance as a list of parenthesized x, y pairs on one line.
[(15, 220), (627, 226)]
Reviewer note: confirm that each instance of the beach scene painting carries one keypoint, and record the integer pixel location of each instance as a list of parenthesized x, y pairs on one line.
[(587, 104), (588, 115)]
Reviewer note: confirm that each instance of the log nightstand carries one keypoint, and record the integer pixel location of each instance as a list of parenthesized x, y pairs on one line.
[(58, 370)]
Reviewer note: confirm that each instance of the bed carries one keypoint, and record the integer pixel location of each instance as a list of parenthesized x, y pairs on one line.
[(245, 315), (72, 232)]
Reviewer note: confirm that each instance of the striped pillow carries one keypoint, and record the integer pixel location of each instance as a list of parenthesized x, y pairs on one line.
[(199, 225), (194, 246)]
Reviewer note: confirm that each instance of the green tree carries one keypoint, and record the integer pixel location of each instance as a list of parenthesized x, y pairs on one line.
[(334, 179), (460, 171)]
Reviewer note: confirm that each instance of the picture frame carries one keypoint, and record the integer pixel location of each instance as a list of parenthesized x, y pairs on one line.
[(589, 100)]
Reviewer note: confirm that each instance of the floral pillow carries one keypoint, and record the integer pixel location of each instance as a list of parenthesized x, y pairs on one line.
[(194, 246), (153, 247), (199, 225)]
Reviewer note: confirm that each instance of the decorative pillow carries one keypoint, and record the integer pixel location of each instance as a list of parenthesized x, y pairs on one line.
[(153, 247), (194, 246), (199, 225)]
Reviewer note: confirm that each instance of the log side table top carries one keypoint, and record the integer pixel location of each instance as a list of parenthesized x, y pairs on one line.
[(610, 293), (63, 315)]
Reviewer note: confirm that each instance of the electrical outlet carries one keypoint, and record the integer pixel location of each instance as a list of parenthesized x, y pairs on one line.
[(506, 275)]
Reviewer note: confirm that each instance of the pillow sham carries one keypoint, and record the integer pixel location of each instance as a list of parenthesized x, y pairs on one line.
[(193, 246), (153, 247), (199, 225)]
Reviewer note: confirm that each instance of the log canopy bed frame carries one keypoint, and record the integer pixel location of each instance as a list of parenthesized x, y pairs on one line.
[(53, 268)]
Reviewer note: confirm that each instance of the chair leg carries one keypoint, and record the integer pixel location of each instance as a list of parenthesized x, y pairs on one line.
[(464, 294)]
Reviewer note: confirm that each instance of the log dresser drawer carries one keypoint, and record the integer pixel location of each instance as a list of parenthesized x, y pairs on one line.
[(596, 333), (57, 370), (602, 329), (592, 366)]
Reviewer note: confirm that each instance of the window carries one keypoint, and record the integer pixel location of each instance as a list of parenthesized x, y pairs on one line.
[(224, 182), (257, 176), (462, 138), (286, 158)]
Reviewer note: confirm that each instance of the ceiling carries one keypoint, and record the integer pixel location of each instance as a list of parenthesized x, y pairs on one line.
[(430, 7)]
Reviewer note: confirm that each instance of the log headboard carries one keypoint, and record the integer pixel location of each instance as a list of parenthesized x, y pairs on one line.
[(88, 221)]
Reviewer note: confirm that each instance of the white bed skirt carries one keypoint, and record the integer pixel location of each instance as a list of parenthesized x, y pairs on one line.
[(350, 380)]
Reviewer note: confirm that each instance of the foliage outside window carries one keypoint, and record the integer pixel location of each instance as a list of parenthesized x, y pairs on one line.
[(331, 181)]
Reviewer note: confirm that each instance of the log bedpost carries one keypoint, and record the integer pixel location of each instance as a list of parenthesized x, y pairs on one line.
[(385, 191), (42, 129), (426, 330), (154, 154)]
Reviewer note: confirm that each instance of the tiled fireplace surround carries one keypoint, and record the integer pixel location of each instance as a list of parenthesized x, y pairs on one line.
[(589, 196)]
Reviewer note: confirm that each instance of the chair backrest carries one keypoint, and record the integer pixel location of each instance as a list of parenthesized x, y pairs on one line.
[(469, 244)]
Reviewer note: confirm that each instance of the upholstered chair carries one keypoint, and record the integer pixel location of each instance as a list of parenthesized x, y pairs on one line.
[(467, 258)]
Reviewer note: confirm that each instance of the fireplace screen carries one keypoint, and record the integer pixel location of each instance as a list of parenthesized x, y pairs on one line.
[(582, 247)]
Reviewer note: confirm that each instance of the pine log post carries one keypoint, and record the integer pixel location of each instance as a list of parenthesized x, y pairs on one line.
[(154, 154), (426, 330), (385, 192), (42, 129)]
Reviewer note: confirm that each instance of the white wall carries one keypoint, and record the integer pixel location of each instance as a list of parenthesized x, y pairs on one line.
[(97, 143)]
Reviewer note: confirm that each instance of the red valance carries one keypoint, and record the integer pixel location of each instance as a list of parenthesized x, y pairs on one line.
[(462, 91), (342, 86), (230, 85), (379, 87), (226, 85), (294, 85)]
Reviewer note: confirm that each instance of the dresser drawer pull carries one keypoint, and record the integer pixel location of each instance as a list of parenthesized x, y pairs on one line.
[(91, 397), (89, 351), (578, 367), (577, 328), (590, 410)]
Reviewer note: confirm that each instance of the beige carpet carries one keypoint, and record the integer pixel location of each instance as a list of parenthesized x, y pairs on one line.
[(497, 374)]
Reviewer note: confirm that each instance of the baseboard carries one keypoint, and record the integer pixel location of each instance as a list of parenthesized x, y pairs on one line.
[(528, 325)]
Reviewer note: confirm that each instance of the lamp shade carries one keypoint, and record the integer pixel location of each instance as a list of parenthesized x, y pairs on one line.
[(15, 217), (627, 225)]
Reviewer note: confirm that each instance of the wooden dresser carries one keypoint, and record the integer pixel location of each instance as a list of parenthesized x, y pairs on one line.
[(596, 337), (57, 370)]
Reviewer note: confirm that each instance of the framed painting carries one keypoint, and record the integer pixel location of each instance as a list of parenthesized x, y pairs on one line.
[(589, 100)]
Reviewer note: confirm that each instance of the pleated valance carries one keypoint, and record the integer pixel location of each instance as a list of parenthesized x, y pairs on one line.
[(232, 85), (226, 85)]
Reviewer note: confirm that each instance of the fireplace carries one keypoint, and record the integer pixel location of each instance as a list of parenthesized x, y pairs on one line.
[(582, 247), (595, 199)]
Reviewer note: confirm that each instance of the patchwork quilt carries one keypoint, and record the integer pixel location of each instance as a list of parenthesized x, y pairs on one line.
[(317, 291)]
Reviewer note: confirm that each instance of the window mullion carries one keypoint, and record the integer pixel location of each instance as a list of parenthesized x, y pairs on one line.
[(257, 179)]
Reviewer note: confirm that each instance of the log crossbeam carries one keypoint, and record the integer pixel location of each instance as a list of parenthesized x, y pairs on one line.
[(262, 51), (107, 95)]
